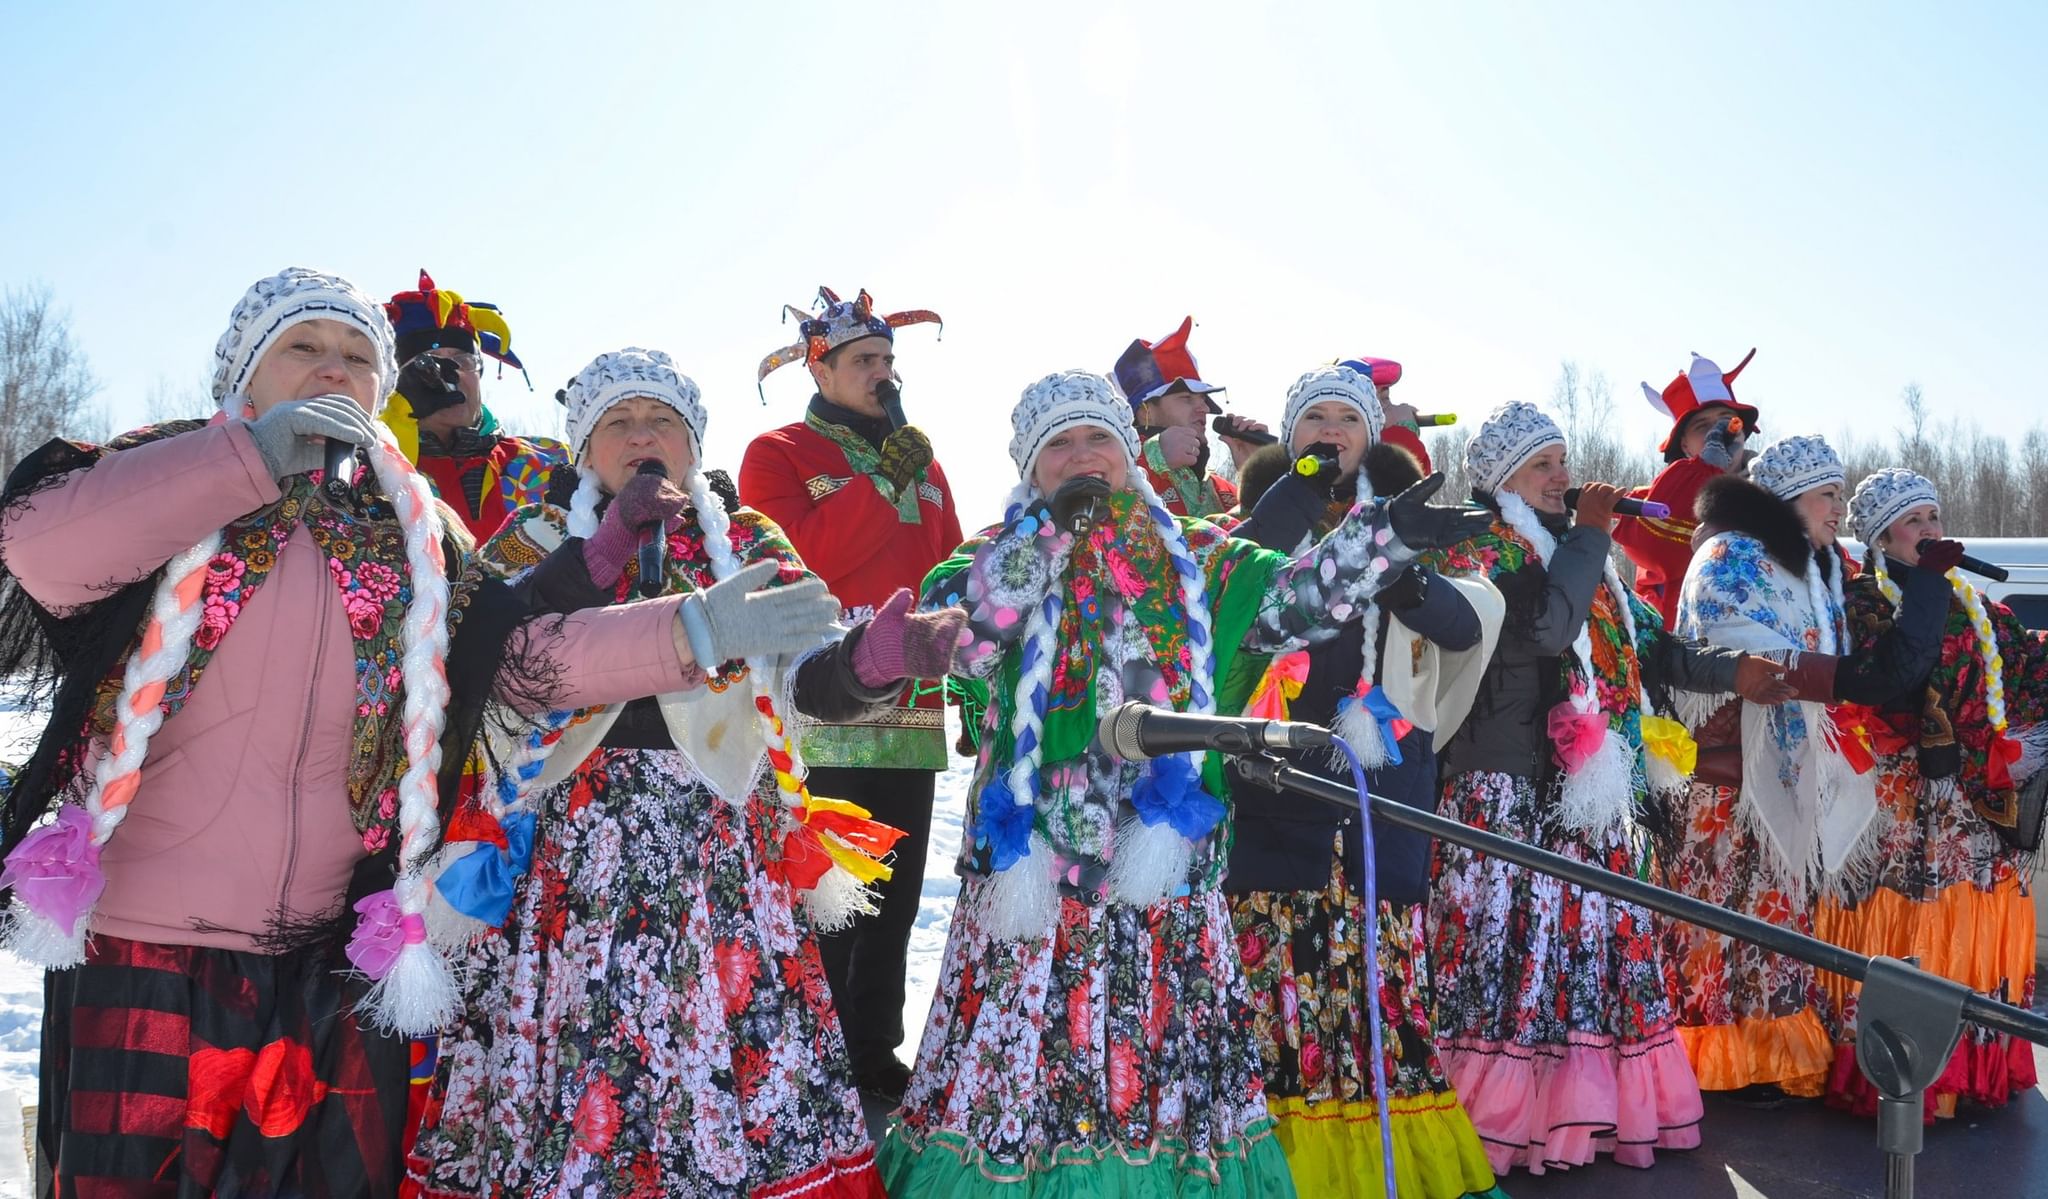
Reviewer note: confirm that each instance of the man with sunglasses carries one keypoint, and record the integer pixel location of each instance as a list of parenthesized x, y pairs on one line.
[(438, 412)]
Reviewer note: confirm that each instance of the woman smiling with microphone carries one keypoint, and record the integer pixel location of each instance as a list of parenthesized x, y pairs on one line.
[(649, 1013), (1091, 1034), (1555, 1007)]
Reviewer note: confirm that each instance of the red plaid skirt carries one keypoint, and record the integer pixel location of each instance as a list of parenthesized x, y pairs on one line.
[(175, 1070)]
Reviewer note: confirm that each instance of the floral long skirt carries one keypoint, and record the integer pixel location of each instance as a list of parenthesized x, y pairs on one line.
[(1555, 1004), (1747, 1015), (1950, 893), (1304, 958), (1112, 1057), (652, 1019)]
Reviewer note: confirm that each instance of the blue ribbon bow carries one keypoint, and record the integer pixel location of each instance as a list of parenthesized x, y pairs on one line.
[(480, 884), (1172, 791)]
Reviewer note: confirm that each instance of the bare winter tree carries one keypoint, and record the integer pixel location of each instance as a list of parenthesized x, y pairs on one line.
[(167, 400), (46, 386)]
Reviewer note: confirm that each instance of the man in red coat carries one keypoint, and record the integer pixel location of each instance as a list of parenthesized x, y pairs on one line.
[(437, 412), (868, 509), (1708, 427)]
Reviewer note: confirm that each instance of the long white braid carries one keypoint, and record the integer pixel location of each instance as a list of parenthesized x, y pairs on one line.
[(839, 895), (175, 609), (1151, 861), (418, 995)]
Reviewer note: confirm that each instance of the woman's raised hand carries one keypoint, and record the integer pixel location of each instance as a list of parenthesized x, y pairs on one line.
[(645, 499), (734, 619), (1422, 525), (292, 435)]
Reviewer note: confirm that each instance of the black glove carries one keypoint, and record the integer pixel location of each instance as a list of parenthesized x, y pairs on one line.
[(431, 383), (721, 486), (1406, 593), (1422, 526), (1317, 466), (1079, 503)]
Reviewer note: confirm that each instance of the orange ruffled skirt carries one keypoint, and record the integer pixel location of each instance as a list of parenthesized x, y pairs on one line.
[(1981, 938)]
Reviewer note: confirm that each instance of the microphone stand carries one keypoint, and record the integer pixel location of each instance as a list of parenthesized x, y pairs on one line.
[(1908, 1021)]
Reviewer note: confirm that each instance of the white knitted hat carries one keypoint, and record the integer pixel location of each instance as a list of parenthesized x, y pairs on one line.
[(1062, 399), (1511, 435), (1790, 468), (293, 295), (1886, 496), (621, 375), (1334, 382)]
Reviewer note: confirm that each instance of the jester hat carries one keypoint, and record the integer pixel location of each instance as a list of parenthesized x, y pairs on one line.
[(1702, 385), (837, 322), (1149, 369), (432, 318)]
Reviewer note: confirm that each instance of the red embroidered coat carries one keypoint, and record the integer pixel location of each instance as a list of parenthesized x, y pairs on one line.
[(852, 535)]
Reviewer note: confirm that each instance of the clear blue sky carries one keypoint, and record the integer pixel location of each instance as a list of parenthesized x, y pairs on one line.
[(1477, 190)]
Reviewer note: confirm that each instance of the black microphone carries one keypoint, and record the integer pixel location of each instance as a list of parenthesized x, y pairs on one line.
[(1649, 508), (339, 454), (1137, 731), (1976, 566), (891, 397), (1228, 425), (653, 540)]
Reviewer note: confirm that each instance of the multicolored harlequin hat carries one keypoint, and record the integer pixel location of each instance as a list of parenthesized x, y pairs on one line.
[(837, 322), (432, 318), (1702, 385), (1149, 369)]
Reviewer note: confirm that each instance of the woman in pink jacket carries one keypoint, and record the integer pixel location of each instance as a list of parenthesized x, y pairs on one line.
[(265, 684)]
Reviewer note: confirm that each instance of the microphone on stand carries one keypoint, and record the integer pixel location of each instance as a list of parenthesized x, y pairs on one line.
[(653, 541), (891, 397), (1137, 731), (1649, 508), (1976, 566), (339, 456)]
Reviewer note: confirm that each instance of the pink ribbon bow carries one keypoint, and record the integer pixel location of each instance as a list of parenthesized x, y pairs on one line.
[(382, 934), (56, 869), (1576, 735)]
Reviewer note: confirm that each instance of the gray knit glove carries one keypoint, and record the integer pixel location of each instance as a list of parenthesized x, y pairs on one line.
[(731, 620), (1721, 445), (291, 436)]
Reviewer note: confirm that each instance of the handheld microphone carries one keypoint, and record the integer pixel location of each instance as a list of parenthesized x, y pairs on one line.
[(891, 397), (653, 541), (1137, 731), (1976, 566), (1436, 420), (1649, 508), (1228, 425), (339, 455)]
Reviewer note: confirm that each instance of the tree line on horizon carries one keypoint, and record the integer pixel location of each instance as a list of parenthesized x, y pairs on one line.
[(1990, 485)]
